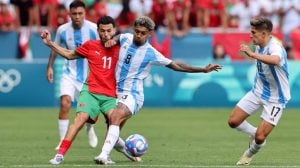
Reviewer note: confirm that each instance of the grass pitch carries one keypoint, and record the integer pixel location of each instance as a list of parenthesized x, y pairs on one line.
[(181, 138)]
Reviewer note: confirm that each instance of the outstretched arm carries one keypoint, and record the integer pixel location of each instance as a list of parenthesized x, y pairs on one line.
[(182, 67), (68, 54)]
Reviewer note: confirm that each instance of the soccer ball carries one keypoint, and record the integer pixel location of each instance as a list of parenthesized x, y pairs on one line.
[(136, 145)]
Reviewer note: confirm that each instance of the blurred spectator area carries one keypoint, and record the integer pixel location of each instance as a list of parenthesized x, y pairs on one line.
[(9, 46), (194, 45), (185, 29)]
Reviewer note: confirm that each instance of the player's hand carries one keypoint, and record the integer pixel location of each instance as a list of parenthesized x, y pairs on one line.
[(110, 43), (46, 37), (246, 49), (212, 67), (50, 74)]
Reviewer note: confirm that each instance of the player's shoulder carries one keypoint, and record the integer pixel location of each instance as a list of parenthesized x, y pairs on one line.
[(126, 36), (90, 24), (275, 44), (64, 27)]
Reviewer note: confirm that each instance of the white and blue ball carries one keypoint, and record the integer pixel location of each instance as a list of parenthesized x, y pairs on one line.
[(136, 145)]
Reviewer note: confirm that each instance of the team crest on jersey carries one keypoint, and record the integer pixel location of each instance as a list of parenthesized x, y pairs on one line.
[(97, 52)]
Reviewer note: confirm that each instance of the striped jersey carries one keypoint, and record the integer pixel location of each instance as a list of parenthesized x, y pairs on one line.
[(71, 38), (271, 81), (134, 66)]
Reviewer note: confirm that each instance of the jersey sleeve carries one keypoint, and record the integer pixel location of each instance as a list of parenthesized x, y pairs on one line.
[(57, 39), (277, 50), (160, 59), (83, 50), (93, 32), (125, 37)]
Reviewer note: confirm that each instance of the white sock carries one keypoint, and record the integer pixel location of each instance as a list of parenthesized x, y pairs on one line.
[(62, 128), (88, 126), (254, 148), (247, 128), (120, 143), (111, 139)]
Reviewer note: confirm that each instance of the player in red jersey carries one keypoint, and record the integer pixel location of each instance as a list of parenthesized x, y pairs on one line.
[(98, 93)]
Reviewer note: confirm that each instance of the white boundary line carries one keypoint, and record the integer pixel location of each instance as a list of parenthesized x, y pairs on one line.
[(152, 166)]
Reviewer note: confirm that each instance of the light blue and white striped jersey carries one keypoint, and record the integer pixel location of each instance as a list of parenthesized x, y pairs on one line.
[(71, 38), (271, 81), (134, 66)]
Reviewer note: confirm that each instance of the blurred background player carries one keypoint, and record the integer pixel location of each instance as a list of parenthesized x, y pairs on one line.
[(135, 61), (72, 35), (271, 90)]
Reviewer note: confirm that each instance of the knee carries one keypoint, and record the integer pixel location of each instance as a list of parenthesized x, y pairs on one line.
[(233, 123), (115, 118), (260, 138), (65, 102)]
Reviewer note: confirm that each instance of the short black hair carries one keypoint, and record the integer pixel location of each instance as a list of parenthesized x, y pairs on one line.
[(262, 24), (106, 20), (76, 4)]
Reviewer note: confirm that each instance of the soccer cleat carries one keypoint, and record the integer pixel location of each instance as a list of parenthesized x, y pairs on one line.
[(93, 140), (58, 158), (103, 160), (128, 155), (245, 159)]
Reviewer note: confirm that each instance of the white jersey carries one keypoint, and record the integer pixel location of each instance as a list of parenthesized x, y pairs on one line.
[(134, 66), (71, 38), (271, 81)]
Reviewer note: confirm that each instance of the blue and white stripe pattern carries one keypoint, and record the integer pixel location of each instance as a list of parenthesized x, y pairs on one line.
[(72, 38), (271, 81), (134, 66)]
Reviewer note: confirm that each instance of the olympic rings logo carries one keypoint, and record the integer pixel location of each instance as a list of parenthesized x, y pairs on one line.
[(9, 79)]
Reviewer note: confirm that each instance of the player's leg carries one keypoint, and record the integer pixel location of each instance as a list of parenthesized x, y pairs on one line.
[(117, 116), (270, 117), (247, 106), (67, 90), (66, 143), (92, 137), (263, 130), (87, 111), (127, 106)]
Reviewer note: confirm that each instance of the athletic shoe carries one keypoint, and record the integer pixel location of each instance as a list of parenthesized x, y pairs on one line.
[(244, 160), (128, 155), (103, 160), (93, 140), (58, 158)]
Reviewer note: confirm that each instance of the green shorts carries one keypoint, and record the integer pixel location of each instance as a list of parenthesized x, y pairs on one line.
[(94, 104)]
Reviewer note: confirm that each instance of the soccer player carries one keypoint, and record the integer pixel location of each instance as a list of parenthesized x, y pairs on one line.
[(271, 90), (99, 90), (72, 35), (135, 60)]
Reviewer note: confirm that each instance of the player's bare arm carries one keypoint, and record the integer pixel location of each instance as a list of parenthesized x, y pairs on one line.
[(182, 67), (267, 59), (50, 65), (68, 54), (115, 40)]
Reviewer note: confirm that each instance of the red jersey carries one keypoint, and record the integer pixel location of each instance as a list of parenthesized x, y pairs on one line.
[(102, 63)]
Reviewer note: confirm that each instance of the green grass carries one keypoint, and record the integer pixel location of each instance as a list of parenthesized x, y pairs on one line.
[(177, 138)]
